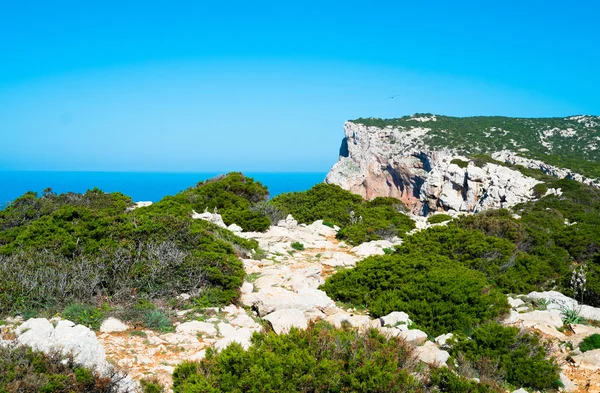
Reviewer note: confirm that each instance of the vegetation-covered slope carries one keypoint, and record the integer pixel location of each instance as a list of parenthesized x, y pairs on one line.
[(28, 371), (360, 220), (90, 248), (572, 142), (319, 359), (491, 251)]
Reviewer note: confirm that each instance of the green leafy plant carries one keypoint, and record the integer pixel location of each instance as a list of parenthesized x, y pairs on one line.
[(94, 246), (158, 320), (590, 343), (25, 370), (440, 296), (571, 316), (87, 315), (505, 353), (318, 359), (438, 218), (297, 246)]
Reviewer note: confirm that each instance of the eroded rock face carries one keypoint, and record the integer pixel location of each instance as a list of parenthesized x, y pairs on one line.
[(397, 163)]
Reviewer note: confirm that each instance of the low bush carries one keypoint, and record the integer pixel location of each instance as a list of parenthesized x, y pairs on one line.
[(461, 163), (28, 371), (318, 359), (56, 250), (298, 246), (438, 218), (590, 343), (237, 198), (440, 295), (86, 315), (158, 320), (151, 386), (506, 353), (359, 220)]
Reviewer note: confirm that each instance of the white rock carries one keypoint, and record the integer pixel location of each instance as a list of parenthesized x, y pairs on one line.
[(521, 390), (195, 327), (268, 300), (284, 319), (431, 354), (67, 338), (568, 385), (374, 247), (443, 339), (244, 320), (226, 330), (338, 259), (413, 335), (395, 318), (289, 222), (241, 336), (234, 228), (215, 218), (514, 303), (538, 317), (589, 360), (111, 325)]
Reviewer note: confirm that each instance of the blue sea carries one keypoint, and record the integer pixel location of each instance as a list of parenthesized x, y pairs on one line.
[(140, 186)]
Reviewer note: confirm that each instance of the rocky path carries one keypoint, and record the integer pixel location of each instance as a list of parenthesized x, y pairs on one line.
[(281, 289)]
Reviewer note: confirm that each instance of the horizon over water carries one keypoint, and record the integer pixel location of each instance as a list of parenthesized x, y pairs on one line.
[(140, 186)]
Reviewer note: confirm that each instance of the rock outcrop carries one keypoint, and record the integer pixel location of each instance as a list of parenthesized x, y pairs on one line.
[(397, 162)]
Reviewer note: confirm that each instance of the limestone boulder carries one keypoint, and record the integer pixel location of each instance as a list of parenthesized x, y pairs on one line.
[(197, 327), (112, 325), (284, 319), (374, 247), (430, 353)]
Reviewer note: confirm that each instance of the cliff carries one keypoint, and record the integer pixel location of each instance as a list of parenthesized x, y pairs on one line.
[(437, 163)]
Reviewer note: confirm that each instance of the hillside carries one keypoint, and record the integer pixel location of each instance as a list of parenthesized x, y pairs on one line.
[(440, 163), (572, 142)]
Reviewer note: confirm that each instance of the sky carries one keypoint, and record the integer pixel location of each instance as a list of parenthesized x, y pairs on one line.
[(267, 86)]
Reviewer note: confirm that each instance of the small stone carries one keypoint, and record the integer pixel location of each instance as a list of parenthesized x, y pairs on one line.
[(112, 325), (195, 327)]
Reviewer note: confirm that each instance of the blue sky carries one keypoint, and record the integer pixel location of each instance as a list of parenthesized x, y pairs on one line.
[(267, 86)]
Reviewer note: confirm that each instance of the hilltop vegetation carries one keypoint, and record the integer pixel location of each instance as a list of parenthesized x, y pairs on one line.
[(360, 220), (493, 252), (572, 142), (90, 248)]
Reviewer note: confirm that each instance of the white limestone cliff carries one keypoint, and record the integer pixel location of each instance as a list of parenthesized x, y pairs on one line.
[(397, 163)]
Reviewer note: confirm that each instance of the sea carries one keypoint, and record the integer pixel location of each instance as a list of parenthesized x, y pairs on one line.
[(140, 186)]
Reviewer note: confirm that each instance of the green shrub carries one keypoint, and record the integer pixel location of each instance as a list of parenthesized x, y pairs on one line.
[(444, 380), (151, 386), (328, 223), (461, 163), (439, 295), (158, 320), (498, 258), (590, 342), (82, 314), (438, 218), (360, 220), (319, 359), (521, 358), (28, 371), (539, 190), (78, 248), (298, 246)]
